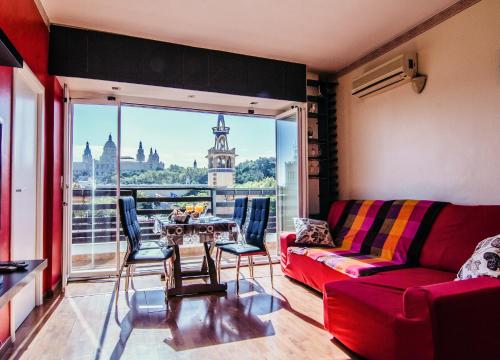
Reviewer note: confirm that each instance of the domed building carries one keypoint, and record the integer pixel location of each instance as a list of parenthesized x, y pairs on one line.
[(105, 167)]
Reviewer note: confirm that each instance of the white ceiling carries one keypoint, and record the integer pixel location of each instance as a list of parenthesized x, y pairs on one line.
[(326, 35)]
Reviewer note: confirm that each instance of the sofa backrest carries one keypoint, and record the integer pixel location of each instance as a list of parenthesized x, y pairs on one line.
[(336, 210), (456, 232)]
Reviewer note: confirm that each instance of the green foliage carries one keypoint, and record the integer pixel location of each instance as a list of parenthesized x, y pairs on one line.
[(174, 174), (267, 182), (251, 173), (256, 170)]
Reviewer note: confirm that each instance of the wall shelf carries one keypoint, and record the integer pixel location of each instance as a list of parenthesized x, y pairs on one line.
[(314, 98), (325, 137), (316, 141)]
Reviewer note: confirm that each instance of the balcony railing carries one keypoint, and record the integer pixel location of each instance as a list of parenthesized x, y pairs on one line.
[(94, 210)]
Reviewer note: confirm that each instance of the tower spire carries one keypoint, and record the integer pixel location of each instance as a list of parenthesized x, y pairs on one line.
[(87, 153), (140, 153), (221, 159)]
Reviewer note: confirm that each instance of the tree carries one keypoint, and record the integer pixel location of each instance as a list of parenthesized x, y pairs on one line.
[(256, 170)]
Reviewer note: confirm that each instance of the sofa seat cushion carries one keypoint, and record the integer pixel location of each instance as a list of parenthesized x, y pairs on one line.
[(350, 264), (309, 271), (363, 313)]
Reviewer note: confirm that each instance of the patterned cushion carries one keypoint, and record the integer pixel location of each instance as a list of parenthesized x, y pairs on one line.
[(485, 261), (312, 232)]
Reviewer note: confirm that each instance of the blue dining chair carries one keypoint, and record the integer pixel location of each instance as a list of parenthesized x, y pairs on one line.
[(239, 217), (137, 253), (254, 239)]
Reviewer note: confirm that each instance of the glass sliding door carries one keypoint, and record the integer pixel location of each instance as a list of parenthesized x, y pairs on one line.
[(94, 189), (290, 169)]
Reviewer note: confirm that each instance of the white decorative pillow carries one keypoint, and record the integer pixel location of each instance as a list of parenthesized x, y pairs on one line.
[(485, 261), (312, 232)]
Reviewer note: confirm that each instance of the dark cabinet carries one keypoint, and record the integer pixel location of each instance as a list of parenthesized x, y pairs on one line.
[(161, 64), (295, 82), (266, 78), (105, 56), (68, 51), (195, 69), (112, 57), (227, 73)]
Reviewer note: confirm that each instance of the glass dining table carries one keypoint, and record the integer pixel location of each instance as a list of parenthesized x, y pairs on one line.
[(206, 230)]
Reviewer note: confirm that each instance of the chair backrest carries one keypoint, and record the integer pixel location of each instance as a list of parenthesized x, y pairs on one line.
[(257, 223), (130, 224), (240, 211)]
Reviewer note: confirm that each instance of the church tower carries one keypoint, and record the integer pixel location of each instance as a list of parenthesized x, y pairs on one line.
[(221, 159), (140, 153), (87, 154)]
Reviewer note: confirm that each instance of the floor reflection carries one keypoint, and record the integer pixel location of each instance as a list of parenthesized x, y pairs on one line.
[(198, 321)]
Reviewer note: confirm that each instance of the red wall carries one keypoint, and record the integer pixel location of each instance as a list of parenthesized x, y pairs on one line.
[(5, 114), (24, 26)]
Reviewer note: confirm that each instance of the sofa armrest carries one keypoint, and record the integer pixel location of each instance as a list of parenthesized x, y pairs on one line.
[(286, 239), (462, 315)]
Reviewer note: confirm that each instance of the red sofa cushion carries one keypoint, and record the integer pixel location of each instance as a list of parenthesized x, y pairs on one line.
[(363, 313), (456, 232), (335, 212), (310, 272)]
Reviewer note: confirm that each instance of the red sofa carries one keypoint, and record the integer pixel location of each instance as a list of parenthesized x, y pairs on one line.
[(413, 313)]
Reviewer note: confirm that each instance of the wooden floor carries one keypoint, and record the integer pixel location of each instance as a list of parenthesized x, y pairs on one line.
[(262, 323)]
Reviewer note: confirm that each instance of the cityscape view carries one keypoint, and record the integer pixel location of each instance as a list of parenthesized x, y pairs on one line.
[(219, 155)]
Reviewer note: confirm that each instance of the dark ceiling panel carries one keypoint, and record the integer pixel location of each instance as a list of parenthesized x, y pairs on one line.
[(105, 56)]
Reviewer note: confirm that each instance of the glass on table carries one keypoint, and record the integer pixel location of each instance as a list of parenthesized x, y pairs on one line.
[(199, 208), (235, 231)]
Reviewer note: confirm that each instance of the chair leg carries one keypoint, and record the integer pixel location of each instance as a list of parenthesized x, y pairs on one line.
[(118, 282), (132, 269), (172, 277), (127, 278), (238, 275), (270, 268), (167, 280), (218, 258), (250, 265)]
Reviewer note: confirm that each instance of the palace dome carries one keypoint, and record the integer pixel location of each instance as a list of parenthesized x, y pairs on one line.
[(109, 151)]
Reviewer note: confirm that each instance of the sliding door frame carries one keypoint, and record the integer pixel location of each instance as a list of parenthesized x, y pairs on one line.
[(68, 195), (302, 176), (99, 99)]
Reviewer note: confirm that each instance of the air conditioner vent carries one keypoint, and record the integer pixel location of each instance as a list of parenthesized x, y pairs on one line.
[(388, 75)]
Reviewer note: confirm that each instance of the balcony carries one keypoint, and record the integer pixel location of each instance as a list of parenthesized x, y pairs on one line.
[(94, 223)]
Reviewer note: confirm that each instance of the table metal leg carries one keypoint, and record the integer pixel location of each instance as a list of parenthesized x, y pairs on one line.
[(177, 269), (200, 288)]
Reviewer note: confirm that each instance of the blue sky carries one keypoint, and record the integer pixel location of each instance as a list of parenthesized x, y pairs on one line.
[(180, 137)]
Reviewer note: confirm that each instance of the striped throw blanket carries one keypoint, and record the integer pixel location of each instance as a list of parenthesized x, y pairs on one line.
[(391, 243), (357, 224)]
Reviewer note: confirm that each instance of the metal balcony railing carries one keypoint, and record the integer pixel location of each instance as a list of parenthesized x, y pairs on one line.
[(95, 210)]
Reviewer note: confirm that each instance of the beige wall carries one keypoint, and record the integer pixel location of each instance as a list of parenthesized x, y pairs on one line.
[(442, 144)]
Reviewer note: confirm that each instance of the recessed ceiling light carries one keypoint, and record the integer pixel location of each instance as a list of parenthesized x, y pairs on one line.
[(254, 103), (115, 88), (191, 96)]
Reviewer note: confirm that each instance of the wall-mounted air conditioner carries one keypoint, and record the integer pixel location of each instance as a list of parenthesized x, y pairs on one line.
[(397, 71)]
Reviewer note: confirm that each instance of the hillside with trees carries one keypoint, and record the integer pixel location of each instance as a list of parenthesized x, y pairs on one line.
[(250, 173)]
